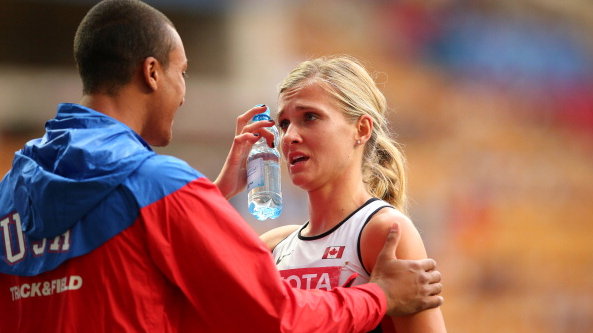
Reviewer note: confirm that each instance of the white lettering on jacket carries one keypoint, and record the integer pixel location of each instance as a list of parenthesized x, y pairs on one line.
[(13, 256), (46, 288), (15, 246)]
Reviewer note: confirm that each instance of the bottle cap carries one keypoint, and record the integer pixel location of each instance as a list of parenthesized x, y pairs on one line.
[(262, 116)]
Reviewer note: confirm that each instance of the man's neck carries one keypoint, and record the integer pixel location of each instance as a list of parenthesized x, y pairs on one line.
[(116, 107)]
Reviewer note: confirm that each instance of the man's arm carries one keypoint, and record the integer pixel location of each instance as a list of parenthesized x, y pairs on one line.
[(205, 248)]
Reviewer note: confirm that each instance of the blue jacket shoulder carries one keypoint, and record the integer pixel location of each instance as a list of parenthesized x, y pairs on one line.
[(159, 176)]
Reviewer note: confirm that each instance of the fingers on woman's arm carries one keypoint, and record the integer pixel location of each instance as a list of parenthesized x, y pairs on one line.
[(410, 246), (374, 232)]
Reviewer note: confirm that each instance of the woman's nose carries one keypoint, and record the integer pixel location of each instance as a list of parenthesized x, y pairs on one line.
[(291, 135)]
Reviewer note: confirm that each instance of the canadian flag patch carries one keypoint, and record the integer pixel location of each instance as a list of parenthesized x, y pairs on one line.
[(333, 252)]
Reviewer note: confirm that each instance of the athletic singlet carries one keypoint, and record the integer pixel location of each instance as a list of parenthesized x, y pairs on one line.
[(328, 260), (332, 259)]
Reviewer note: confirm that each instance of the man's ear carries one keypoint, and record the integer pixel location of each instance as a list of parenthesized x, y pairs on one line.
[(150, 72), (364, 128)]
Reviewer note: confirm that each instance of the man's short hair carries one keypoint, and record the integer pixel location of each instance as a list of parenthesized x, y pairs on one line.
[(114, 38)]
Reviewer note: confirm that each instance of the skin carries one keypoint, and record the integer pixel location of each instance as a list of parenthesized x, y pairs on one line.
[(245, 136), (148, 104), (324, 158), (409, 285)]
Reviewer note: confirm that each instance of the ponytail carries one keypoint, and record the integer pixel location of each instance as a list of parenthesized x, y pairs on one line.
[(384, 170)]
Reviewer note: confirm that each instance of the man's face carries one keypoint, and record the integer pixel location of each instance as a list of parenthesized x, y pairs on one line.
[(170, 95)]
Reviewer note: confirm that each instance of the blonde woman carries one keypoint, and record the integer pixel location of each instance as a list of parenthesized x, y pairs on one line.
[(335, 141)]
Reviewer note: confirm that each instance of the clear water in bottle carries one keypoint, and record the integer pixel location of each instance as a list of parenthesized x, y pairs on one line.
[(264, 195), (263, 178)]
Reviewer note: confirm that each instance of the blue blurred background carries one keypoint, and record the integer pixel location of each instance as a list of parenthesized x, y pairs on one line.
[(492, 101)]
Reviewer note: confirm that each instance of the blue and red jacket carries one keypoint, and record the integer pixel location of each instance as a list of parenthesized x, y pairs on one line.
[(98, 233)]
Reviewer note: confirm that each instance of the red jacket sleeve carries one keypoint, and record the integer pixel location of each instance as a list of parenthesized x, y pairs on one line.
[(204, 247)]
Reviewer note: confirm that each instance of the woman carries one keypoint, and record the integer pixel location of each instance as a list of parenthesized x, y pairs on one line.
[(335, 141)]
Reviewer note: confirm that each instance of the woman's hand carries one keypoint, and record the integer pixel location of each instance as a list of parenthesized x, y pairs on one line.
[(233, 176)]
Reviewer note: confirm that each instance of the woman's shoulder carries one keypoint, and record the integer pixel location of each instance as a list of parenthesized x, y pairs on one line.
[(410, 245), (274, 236), (386, 217)]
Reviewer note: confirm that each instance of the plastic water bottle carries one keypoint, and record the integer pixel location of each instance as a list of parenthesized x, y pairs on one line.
[(264, 196)]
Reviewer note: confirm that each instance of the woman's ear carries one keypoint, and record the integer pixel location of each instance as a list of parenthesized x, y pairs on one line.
[(364, 128), (150, 73)]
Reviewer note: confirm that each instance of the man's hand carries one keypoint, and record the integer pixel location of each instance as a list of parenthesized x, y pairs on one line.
[(410, 285)]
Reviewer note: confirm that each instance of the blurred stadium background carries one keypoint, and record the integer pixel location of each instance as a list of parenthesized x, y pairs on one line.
[(492, 100)]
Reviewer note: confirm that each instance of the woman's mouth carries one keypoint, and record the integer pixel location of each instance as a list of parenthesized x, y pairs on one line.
[(297, 158)]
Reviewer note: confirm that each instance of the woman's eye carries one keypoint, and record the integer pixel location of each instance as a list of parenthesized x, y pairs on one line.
[(283, 124), (310, 116)]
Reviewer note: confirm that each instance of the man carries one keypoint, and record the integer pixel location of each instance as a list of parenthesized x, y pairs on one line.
[(101, 234)]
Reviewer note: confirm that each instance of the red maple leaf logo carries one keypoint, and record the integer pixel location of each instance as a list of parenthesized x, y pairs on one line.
[(333, 252)]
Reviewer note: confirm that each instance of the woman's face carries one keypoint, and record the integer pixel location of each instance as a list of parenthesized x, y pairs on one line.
[(317, 141)]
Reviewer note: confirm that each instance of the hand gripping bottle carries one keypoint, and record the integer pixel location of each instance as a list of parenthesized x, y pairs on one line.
[(263, 175)]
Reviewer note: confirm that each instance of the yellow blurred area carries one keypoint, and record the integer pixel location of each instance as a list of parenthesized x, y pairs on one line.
[(507, 190), (501, 185)]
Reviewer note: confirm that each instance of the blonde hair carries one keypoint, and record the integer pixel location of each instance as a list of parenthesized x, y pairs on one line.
[(357, 94)]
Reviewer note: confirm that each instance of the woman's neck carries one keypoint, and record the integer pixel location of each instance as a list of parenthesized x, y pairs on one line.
[(328, 207)]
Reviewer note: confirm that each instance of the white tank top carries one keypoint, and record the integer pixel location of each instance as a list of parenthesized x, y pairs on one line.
[(331, 259)]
